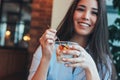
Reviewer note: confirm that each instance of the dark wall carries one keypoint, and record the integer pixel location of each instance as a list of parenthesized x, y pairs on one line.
[(13, 64)]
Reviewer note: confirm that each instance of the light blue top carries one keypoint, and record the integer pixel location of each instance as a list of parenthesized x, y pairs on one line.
[(58, 71)]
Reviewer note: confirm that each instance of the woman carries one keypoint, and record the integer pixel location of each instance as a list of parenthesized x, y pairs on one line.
[(86, 24)]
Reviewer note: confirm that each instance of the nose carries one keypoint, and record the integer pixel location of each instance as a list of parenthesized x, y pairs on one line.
[(86, 16)]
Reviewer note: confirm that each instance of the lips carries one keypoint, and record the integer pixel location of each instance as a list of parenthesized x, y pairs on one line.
[(84, 24)]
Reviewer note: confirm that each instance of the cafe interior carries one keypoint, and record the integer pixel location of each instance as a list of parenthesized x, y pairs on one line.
[(22, 22)]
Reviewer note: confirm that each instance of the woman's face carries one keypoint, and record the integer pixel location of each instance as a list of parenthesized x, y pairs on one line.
[(85, 17)]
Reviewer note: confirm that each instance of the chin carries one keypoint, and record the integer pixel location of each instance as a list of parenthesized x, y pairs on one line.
[(82, 32)]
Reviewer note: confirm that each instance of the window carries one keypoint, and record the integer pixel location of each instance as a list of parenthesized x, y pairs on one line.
[(15, 23)]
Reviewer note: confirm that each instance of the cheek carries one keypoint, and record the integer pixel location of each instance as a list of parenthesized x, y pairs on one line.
[(76, 15)]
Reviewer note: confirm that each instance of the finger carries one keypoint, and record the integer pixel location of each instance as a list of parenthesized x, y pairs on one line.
[(74, 60), (47, 36), (80, 49), (74, 64), (52, 30), (48, 32), (49, 41), (71, 52), (77, 47)]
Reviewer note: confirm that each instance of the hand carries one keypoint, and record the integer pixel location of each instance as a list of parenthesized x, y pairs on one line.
[(81, 58), (47, 41)]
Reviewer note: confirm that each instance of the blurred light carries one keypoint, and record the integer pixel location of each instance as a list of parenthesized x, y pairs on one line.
[(8, 33), (118, 74), (118, 58), (26, 38)]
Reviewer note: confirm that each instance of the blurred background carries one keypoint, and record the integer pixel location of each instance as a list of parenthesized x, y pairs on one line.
[(22, 22)]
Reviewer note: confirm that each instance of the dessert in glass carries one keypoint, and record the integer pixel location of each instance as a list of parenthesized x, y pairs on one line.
[(63, 45)]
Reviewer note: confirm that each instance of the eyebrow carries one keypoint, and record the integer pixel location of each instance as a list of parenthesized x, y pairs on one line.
[(85, 6), (81, 6)]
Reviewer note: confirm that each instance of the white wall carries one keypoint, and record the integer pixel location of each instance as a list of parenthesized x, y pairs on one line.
[(59, 9)]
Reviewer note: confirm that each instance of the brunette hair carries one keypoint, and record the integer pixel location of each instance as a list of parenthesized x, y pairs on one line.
[(98, 41)]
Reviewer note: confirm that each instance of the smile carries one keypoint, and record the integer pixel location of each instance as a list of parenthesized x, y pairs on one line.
[(84, 24)]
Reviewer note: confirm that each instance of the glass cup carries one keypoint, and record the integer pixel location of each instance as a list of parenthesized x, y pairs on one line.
[(63, 45)]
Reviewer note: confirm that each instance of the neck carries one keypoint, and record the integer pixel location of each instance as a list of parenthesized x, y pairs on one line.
[(81, 40)]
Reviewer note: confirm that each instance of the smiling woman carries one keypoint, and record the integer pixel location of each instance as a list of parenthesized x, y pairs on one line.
[(86, 24), (85, 17)]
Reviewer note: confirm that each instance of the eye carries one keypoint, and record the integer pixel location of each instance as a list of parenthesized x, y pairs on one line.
[(94, 13), (80, 9)]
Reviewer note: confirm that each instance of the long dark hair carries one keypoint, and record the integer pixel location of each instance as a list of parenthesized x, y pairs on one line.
[(98, 42)]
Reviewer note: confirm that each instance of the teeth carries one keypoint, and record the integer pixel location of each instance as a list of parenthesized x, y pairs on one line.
[(83, 24)]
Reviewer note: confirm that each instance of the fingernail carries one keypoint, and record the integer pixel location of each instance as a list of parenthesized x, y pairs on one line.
[(64, 51), (63, 59), (70, 46)]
